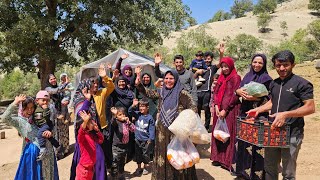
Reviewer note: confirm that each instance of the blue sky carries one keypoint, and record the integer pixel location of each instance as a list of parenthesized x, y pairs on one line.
[(203, 10)]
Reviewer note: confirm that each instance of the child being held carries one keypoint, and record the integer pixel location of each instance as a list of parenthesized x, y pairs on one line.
[(42, 120), (121, 126), (144, 134), (89, 134), (66, 94), (197, 64)]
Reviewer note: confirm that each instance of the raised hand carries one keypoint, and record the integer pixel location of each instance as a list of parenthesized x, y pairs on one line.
[(158, 83), (157, 58), (135, 102), (85, 116), (108, 66), (138, 70), (221, 48), (116, 74), (138, 81), (86, 93), (124, 56), (102, 71), (19, 99)]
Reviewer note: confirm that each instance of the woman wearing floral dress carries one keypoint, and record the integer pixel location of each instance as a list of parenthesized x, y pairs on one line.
[(172, 100), (29, 168)]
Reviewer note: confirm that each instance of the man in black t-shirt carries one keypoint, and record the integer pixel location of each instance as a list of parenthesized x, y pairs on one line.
[(291, 100)]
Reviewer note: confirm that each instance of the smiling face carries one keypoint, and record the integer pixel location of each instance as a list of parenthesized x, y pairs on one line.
[(42, 101), (94, 87), (122, 84), (128, 72), (208, 60), (28, 110), (143, 108), (179, 64), (169, 81), (52, 80), (284, 68), (257, 64), (225, 69), (146, 79)]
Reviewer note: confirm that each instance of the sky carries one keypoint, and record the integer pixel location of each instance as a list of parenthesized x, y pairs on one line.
[(203, 10)]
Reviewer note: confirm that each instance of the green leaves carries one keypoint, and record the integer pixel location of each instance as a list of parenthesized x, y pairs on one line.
[(314, 5), (240, 7)]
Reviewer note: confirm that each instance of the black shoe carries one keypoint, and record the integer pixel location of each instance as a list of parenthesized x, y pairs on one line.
[(215, 163)]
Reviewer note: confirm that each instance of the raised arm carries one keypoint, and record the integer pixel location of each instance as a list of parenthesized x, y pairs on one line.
[(157, 61)]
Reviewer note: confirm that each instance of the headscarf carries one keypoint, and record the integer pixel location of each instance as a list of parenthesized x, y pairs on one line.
[(150, 85), (79, 99), (126, 67), (260, 77), (125, 96), (223, 79), (170, 100)]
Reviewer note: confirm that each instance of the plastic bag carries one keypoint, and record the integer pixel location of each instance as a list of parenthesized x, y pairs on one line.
[(181, 153), (184, 123), (221, 131), (256, 89), (199, 134)]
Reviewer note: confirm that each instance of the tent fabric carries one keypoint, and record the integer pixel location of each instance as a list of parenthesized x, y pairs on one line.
[(135, 59)]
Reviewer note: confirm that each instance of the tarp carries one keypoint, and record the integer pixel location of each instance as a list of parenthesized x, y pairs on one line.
[(135, 59)]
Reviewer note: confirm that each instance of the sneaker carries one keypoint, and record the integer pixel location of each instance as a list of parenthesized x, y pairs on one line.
[(198, 83), (201, 79), (138, 172), (145, 172)]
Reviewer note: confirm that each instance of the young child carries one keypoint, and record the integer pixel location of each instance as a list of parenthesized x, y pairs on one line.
[(144, 134), (197, 64), (89, 134), (66, 94), (121, 126), (42, 120)]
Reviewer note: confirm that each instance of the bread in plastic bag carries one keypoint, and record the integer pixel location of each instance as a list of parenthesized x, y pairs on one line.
[(221, 131), (199, 134), (256, 89), (181, 153), (184, 123)]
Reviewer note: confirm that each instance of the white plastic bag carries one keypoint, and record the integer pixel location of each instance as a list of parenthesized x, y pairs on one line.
[(181, 153), (184, 123), (221, 131), (199, 134)]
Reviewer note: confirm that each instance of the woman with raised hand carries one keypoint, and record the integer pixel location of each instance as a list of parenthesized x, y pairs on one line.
[(172, 100), (29, 168)]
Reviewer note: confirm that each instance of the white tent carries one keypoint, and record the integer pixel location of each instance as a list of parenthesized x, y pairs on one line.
[(134, 59)]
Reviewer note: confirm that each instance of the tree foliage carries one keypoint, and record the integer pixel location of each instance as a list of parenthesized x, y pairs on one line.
[(265, 6), (220, 16), (193, 41), (314, 5), (51, 32), (284, 27), (242, 48), (314, 30), (240, 7), (263, 21)]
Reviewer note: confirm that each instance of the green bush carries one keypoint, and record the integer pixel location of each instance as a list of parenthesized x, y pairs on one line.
[(314, 5), (263, 21), (265, 6), (240, 7)]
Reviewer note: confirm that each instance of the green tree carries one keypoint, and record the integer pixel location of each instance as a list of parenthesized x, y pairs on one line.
[(242, 48), (193, 41), (265, 6), (51, 32), (263, 21), (220, 16), (227, 16), (314, 5), (314, 30), (240, 7)]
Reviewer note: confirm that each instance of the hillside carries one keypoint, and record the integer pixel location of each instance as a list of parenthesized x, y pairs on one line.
[(295, 13)]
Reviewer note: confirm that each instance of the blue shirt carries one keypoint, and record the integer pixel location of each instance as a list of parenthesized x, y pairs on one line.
[(199, 64), (145, 125)]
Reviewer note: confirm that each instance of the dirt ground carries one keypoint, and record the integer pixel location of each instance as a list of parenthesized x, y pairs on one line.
[(308, 160)]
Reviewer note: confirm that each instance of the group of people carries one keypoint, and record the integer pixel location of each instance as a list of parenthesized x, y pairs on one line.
[(123, 115)]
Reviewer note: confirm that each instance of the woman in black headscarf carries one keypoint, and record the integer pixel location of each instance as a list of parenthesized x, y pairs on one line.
[(61, 132), (249, 158), (172, 100)]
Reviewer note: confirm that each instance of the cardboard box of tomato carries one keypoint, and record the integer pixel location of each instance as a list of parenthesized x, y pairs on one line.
[(259, 132)]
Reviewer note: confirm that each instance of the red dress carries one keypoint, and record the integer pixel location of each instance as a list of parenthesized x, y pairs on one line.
[(224, 152)]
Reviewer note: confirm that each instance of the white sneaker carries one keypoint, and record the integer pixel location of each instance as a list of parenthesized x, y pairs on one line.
[(198, 83), (202, 79)]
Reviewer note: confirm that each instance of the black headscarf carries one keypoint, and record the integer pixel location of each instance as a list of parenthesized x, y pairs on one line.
[(170, 100), (125, 96)]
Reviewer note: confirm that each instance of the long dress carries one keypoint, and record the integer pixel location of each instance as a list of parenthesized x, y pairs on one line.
[(223, 153), (162, 169), (61, 132), (29, 168)]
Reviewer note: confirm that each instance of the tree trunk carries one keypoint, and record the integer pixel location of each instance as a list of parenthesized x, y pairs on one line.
[(46, 67)]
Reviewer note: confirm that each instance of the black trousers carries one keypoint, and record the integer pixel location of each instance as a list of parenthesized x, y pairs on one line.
[(203, 104)]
